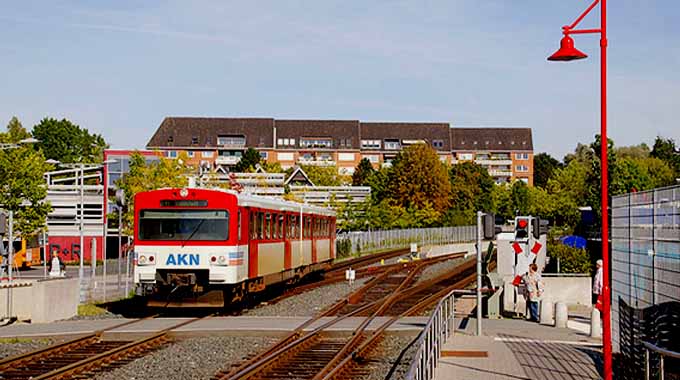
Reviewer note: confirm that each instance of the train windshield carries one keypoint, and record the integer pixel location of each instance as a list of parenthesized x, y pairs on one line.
[(184, 225)]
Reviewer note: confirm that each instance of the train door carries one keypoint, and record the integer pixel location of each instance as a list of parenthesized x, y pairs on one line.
[(254, 236), (314, 234), (288, 234)]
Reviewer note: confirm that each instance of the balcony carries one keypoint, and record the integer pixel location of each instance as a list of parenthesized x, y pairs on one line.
[(500, 173), (488, 162), (315, 162), (227, 160)]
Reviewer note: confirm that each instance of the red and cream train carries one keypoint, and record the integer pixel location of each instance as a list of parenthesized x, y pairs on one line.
[(208, 247)]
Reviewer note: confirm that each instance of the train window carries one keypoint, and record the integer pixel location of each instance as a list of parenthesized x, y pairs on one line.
[(281, 226), (184, 225), (275, 226), (260, 225), (238, 225), (252, 227), (267, 225)]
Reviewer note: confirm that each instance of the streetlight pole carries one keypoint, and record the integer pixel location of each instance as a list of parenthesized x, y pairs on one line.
[(567, 52), (82, 233)]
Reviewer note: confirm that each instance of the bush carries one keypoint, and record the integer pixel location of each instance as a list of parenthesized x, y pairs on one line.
[(572, 260), (343, 248)]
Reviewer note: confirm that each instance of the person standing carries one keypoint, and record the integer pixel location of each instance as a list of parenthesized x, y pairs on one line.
[(534, 291), (597, 282)]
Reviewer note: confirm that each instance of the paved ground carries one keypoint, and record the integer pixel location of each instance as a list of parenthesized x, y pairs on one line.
[(518, 349), (240, 325)]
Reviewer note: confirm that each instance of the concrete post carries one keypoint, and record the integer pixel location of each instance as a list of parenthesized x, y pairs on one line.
[(561, 315), (547, 312), (595, 324)]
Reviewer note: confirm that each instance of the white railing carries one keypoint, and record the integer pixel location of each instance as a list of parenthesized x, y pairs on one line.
[(367, 241), (439, 327)]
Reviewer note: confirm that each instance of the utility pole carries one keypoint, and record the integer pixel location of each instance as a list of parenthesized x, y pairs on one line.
[(82, 237), (479, 273)]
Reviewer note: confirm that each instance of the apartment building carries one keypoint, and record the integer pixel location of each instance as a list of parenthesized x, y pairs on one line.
[(219, 143)]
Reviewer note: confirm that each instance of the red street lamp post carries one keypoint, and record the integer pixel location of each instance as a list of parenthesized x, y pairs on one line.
[(567, 52)]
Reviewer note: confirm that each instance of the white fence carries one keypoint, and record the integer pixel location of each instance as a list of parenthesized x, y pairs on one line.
[(367, 241)]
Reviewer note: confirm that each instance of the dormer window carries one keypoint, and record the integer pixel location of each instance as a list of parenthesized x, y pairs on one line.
[(194, 140), (170, 139)]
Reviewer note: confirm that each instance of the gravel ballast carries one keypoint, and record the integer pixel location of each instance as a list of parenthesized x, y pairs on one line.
[(438, 269), (191, 358), (388, 354), (306, 304), (11, 347)]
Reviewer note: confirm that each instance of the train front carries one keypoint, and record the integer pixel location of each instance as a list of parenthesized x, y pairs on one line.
[(186, 248)]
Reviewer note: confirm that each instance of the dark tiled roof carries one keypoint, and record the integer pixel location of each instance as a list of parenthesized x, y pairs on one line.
[(407, 131), (317, 128), (491, 139), (181, 131)]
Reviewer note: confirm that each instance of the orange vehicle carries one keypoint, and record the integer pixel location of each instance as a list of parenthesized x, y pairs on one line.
[(26, 252)]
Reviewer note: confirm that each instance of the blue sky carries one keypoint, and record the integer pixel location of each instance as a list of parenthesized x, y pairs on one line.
[(119, 67)]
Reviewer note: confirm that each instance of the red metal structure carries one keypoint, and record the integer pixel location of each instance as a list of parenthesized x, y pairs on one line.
[(567, 52)]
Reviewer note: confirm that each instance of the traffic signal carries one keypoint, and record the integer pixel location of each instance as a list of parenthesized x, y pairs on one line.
[(522, 227), (489, 224), (536, 227)]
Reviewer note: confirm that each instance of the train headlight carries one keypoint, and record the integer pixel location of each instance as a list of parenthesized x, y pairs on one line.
[(141, 260), (222, 260)]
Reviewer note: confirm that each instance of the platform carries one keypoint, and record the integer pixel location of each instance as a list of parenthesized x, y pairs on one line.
[(518, 349), (241, 326)]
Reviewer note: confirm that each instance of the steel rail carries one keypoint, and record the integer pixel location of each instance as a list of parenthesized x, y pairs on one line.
[(367, 345), (104, 358), (291, 343), (15, 361)]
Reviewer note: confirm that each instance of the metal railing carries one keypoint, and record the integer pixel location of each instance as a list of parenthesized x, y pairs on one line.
[(645, 261), (430, 341), (662, 354), (368, 241)]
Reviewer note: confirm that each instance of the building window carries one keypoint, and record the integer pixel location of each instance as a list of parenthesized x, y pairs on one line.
[(372, 158), (237, 141), (348, 142), (170, 139), (521, 156), (370, 144), (525, 180), (316, 143), (437, 143), (392, 145), (280, 142), (263, 155), (207, 154), (194, 140), (466, 156), (521, 168), (190, 154), (172, 154)]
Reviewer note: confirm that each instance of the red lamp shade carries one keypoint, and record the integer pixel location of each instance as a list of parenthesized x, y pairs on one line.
[(567, 51)]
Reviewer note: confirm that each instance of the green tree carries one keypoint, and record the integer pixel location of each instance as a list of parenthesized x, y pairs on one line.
[(323, 175), (251, 157), (15, 132), (665, 150), (640, 151), (362, 172), (66, 142), (418, 178), (145, 176), (544, 167), (23, 191), (471, 190), (519, 197)]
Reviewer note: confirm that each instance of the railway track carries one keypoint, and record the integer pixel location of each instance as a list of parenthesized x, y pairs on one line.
[(82, 357), (362, 266), (317, 354)]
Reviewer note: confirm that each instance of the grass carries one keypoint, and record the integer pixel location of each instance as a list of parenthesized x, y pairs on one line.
[(22, 340), (90, 309)]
